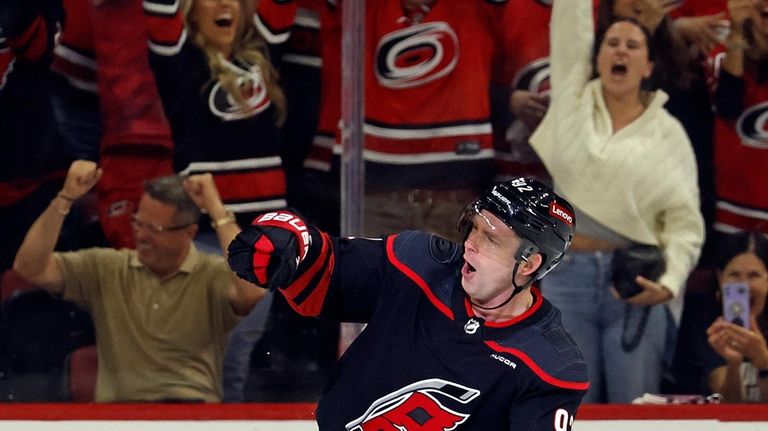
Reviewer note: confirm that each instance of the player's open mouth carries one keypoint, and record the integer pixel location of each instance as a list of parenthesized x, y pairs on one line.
[(470, 268), (619, 69)]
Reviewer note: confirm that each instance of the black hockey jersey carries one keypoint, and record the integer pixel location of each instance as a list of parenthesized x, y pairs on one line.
[(425, 361)]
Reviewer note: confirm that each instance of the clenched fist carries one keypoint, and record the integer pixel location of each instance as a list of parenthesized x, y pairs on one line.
[(268, 252)]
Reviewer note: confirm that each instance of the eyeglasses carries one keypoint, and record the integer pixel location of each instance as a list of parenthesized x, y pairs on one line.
[(137, 223)]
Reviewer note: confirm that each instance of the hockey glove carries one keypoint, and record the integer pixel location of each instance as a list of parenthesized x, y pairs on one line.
[(268, 252)]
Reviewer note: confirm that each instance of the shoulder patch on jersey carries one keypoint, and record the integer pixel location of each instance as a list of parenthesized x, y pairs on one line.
[(442, 250), (432, 271), (560, 340)]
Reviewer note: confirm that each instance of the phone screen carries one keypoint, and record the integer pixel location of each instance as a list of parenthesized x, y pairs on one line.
[(736, 303)]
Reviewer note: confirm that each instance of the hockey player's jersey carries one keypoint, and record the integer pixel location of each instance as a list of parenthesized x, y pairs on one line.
[(741, 151), (425, 360), (211, 134), (427, 120)]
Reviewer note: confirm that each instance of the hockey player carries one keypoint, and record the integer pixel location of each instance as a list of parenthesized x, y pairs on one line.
[(456, 338)]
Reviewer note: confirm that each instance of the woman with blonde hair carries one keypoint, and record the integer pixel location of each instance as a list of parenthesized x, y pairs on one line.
[(222, 98)]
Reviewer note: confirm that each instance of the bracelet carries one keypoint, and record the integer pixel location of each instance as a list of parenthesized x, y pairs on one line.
[(59, 210), (228, 218), (65, 197)]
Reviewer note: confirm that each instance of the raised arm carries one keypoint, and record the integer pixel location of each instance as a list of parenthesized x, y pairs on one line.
[(274, 19), (172, 57), (740, 12), (280, 251), (202, 190), (729, 93), (26, 28), (165, 24), (572, 35), (34, 260)]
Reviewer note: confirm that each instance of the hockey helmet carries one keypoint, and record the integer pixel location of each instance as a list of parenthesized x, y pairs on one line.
[(543, 220)]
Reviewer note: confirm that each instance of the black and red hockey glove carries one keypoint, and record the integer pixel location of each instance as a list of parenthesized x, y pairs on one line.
[(268, 252)]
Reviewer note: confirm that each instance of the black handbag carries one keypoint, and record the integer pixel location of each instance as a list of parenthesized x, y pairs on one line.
[(627, 264)]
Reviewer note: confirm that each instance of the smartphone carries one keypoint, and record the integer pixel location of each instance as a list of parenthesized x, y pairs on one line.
[(736, 303)]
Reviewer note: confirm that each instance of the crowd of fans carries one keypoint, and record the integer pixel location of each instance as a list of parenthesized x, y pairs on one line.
[(647, 115)]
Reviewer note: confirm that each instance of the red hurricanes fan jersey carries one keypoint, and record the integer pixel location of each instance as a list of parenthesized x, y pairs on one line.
[(741, 155), (427, 76)]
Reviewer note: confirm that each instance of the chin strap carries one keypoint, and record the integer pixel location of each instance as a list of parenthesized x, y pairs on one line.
[(517, 290)]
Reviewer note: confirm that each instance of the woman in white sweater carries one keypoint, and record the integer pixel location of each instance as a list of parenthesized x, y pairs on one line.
[(629, 169)]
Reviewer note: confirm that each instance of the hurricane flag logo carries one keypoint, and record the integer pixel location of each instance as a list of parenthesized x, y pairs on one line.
[(416, 407), (534, 77), (254, 91), (416, 55), (752, 126)]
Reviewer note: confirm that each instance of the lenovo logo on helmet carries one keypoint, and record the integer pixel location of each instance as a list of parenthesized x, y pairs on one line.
[(561, 213)]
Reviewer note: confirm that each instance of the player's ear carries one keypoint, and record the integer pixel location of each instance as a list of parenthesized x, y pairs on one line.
[(530, 265)]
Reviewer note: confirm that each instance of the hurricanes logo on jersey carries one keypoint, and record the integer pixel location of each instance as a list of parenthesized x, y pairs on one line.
[(534, 77), (224, 106), (416, 55), (416, 407), (752, 126)]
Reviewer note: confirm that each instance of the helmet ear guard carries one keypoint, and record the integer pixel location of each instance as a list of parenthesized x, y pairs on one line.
[(526, 250)]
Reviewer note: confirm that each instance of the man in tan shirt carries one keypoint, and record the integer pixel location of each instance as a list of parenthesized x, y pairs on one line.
[(162, 312)]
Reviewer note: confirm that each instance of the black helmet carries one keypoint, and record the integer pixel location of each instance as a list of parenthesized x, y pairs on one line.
[(544, 220)]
